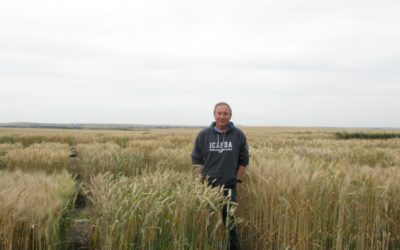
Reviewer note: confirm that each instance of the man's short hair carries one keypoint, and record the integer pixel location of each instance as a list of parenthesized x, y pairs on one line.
[(222, 104)]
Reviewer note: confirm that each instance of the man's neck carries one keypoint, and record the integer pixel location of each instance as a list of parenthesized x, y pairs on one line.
[(220, 129)]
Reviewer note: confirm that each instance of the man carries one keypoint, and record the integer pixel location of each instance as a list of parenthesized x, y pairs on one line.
[(221, 155)]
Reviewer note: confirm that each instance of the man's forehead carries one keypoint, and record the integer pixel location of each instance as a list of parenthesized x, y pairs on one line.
[(222, 108)]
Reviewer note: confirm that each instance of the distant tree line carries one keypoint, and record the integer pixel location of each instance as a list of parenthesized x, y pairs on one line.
[(362, 135)]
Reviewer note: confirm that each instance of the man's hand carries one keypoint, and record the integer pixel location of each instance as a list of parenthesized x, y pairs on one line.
[(239, 173), (197, 170)]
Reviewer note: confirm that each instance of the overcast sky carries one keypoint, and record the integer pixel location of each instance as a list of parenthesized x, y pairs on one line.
[(277, 62)]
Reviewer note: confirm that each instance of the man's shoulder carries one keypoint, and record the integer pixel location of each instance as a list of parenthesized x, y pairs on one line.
[(238, 131), (240, 134), (204, 131)]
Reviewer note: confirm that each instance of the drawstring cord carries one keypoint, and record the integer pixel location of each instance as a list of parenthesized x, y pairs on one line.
[(223, 137), (223, 140)]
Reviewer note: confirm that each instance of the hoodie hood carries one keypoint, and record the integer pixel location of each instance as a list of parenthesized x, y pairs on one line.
[(230, 128)]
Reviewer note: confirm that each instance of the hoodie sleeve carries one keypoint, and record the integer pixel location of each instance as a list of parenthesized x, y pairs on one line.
[(197, 153), (244, 151)]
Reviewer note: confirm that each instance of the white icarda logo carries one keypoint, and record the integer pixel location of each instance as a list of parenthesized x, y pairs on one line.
[(220, 147)]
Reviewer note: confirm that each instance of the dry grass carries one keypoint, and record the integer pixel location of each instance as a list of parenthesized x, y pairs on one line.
[(110, 157), (5, 147), (163, 210), (304, 188), (32, 208), (132, 159), (314, 192), (48, 157), (307, 206)]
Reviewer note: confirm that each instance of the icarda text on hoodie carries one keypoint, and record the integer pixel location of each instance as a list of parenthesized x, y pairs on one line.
[(221, 146)]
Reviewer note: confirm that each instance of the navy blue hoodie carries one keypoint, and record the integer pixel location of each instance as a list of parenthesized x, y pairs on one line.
[(221, 153)]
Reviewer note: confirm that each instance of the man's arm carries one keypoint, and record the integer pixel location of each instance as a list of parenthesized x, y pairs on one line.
[(240, 172), (197, 155), (243, 158)]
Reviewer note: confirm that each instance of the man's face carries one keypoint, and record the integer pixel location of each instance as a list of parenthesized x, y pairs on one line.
[(222, 116)]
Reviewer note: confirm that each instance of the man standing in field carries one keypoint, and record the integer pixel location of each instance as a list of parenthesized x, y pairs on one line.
[(221, 155)]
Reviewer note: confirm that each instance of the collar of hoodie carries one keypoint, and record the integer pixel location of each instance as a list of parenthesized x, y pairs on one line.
[(219, 132), (228, 129)]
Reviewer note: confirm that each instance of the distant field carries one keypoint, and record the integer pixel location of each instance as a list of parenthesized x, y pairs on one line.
[(305, 188)]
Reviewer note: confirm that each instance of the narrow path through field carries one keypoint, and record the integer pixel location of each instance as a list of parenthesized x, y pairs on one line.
[(78, 235)]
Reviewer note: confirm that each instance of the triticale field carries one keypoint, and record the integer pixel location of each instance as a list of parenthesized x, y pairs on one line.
[(305, 188)]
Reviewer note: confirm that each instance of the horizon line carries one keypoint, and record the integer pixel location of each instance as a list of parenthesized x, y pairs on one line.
[(143, 125)]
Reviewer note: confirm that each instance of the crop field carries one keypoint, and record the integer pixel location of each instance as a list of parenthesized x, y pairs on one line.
[(305, 188)]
